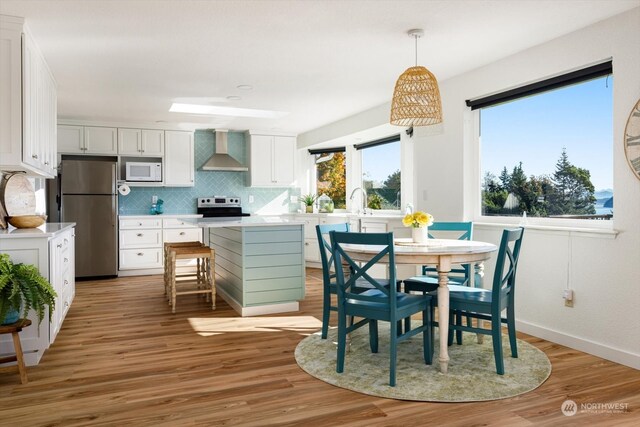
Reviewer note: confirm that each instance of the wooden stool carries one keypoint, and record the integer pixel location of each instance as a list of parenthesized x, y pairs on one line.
[(14, 329), (205, 278), (167, 265)]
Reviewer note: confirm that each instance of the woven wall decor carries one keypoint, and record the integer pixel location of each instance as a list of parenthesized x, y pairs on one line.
[(416, 99)]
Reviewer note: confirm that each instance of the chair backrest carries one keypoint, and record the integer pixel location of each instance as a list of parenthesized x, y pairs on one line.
[(382, 246), (326, 255), (462, 231), (504, 278)]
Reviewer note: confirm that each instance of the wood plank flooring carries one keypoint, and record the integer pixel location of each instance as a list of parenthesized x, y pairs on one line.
[(122, 358)]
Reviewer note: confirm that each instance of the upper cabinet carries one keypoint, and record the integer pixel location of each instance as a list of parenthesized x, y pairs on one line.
[(28, 105), (141, 142), (272, 160), (179, 167), (94, 140)]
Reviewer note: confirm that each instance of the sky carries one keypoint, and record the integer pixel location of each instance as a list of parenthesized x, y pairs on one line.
[(381, 161), (534, 130)]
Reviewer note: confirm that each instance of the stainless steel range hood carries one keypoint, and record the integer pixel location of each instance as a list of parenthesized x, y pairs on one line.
[(221, 160)]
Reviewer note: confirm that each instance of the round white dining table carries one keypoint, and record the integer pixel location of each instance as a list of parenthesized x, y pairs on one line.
[(439, 252)]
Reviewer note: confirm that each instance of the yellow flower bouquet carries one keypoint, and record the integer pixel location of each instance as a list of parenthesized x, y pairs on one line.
[(417, 219)]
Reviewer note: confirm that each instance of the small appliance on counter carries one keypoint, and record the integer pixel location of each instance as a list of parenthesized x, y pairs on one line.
[(220, 206)]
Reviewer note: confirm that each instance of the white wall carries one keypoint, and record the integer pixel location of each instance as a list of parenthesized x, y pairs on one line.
[(603, 269)]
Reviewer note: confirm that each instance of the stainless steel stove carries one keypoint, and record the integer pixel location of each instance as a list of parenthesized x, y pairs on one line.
[(220, 206)]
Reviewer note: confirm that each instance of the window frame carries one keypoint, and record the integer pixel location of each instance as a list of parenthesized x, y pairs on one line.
[(472, 117), (371, 144)]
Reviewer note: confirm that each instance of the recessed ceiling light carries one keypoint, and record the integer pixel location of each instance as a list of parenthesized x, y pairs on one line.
[(214, 110), (234, 98), (244, 87)]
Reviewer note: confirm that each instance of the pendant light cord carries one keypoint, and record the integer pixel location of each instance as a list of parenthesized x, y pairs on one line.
[(416, 37)]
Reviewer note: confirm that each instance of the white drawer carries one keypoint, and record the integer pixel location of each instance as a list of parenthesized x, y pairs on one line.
[(140, 239), (177, 223), (140, 258), (129, 224), (311, 250), (182, 235)]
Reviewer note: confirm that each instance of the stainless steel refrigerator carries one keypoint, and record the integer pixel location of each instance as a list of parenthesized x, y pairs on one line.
[(87, 196)]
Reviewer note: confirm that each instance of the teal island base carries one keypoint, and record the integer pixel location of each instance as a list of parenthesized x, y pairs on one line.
[(259, 269)]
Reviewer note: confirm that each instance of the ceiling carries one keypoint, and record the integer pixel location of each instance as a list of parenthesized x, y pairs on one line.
[(318, 60)]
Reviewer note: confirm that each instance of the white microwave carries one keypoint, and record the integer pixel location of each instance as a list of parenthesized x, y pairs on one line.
[(144, 172)]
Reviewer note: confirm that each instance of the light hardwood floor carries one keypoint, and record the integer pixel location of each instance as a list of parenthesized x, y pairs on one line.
[(122, 358)]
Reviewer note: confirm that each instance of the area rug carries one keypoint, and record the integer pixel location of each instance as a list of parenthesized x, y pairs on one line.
[(471, 375)]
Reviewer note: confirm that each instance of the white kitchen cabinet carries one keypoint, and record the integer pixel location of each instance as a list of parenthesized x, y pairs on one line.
[(28, 103), (142, 242), (272, 160), (311, 247), (62, 277), (70, 139), (92, 140), (141, 142), (51, 248), (100, 140), (179, 166)]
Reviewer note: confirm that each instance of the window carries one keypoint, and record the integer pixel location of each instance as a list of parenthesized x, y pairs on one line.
[(381, 172), (549, 151), (331, 175)]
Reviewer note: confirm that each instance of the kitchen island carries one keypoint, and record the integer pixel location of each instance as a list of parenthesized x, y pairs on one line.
[(259, 266)]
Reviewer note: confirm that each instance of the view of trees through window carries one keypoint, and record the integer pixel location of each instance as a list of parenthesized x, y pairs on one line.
[(331, 177), (381, 175), (550, 155)]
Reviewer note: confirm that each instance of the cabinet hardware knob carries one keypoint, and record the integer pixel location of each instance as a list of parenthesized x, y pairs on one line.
[(306, 243), (66, 241), (139, 223), (46, 163), (140, 254), (66, 303), (59, 245), (182, 233), (139, 234), (35, 156), (66, 282), (66, 260)]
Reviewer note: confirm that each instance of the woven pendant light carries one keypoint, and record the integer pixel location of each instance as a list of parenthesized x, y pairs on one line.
[(416, 98)]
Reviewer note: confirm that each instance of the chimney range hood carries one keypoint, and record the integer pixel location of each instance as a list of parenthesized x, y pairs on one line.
[(221, 160)]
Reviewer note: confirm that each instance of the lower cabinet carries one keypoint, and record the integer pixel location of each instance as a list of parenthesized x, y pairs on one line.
[(54, 256), (142, 241)]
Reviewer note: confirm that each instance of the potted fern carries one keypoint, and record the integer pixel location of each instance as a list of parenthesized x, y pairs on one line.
[(23, 288)]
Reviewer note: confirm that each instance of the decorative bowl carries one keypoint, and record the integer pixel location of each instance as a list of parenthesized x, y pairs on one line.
[(27, 221)]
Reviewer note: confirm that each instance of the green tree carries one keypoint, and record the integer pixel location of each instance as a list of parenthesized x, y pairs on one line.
[(572, 192), (332, 179)]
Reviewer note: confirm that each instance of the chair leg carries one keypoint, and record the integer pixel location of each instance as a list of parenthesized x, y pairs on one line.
[(427, 336), (496, 337), (326, 312), (172, 260), (451, 327), (342, 343), (393, 355), (373, 335), (459, 332), (407, 323), (212, 278), (511, 327)]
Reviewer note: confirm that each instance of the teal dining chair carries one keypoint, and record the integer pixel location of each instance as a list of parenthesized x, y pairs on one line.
[(380, 303), (428, 281), (488, 304), (329, 275)]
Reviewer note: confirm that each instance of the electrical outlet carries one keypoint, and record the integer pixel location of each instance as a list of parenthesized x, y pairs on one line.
[(154, 199), (250, 199), (567, 294), (293, 199)]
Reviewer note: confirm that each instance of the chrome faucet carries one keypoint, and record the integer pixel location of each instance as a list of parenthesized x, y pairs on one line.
[(363, 203)]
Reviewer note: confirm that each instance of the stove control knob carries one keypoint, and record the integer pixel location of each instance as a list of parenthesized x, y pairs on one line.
[(208, 200)]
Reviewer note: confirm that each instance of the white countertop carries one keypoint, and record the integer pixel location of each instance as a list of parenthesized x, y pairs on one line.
[(46, 230), (350, 215), (245, 221)]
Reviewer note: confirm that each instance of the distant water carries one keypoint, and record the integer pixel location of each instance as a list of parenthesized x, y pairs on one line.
[(602, 211)]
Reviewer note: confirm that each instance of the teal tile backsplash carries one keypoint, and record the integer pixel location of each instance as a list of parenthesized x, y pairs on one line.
[(182, 200)]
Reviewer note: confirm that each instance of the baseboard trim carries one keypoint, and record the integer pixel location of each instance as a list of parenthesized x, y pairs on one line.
[(260, 309), (613, 354)]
